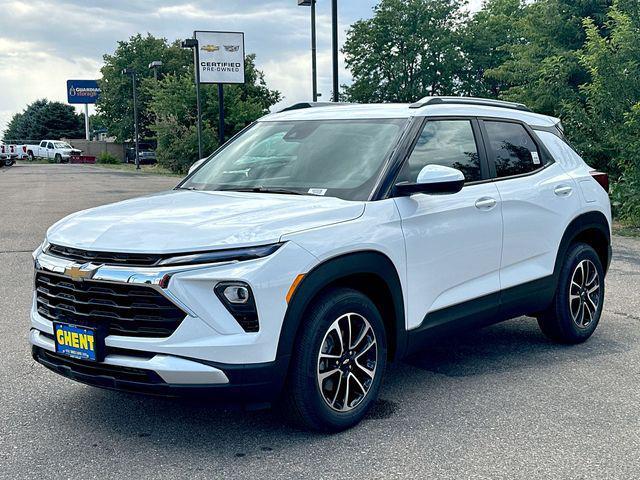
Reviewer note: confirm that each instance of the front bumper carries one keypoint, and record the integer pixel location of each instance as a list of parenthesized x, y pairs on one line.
[(208, 351)]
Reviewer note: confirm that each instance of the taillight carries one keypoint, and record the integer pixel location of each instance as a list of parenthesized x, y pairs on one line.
[(602, 178), (24, 149)]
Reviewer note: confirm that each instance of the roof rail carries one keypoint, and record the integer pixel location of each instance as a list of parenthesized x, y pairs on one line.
[(485, 102), (301, 105)]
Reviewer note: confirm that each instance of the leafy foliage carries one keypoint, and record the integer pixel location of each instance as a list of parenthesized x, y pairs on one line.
[(173, 105), (107, 158), (409, 49), (45, 119), (115, 106)]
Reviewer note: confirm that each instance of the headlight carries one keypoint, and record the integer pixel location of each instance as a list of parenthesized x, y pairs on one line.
[(217, 256)]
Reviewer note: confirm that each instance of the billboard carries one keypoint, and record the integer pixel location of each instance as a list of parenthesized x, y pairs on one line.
[(82, 91), (221, 56)]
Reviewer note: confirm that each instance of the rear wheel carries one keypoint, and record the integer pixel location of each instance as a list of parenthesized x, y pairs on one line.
[(30, 155), (338, 362), (575, 311)]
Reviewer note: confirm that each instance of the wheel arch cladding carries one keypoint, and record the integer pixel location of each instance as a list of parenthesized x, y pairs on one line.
[(591, 228), (369, 272)]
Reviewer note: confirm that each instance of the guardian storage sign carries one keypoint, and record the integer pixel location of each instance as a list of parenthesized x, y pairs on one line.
[(82, 91), (221, 56)]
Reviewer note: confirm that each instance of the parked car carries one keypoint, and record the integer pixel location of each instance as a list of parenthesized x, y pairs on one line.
[(321, 244), (10, 153), (146, 154), (56, 150)]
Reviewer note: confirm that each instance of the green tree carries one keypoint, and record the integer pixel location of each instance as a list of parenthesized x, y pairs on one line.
[(611, 118), (408, 49), (45, 119), (116, 100), (486, 39), (173, 105), (543, 69)]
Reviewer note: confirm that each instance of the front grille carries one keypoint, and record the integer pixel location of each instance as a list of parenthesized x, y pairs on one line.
[(130, 310), (109, 258)]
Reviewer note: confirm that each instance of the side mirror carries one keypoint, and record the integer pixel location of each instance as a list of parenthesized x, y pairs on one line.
[(196, 165), (433, 179)]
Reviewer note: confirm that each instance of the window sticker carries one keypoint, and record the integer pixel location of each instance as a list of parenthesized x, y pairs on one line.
[(317, 191), (536, 158)]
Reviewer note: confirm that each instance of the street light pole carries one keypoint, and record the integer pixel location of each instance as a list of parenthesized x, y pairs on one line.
[(193, 44), (132, 73), (334, 47), (155, 65), (314, 76)]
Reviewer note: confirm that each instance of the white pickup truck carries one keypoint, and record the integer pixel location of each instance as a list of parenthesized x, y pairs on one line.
[(52, 150)]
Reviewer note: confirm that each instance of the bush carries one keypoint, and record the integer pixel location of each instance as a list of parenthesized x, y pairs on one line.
[(625, 199), (178, 144), (107, 158)]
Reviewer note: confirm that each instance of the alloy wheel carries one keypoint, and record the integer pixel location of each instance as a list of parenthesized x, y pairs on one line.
[(347, 362), (584, 293)]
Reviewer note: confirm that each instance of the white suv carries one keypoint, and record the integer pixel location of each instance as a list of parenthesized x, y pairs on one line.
[(321, 243)]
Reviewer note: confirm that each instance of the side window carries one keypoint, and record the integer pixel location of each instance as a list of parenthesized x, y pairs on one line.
[(50, 146), (450, 143), (515, 151), (43, 144)]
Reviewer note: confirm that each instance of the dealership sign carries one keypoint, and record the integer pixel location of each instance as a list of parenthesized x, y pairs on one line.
[(221, 56), (82, 91)]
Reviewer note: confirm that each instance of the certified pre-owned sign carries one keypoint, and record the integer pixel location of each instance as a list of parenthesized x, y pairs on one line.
[(221, 56)]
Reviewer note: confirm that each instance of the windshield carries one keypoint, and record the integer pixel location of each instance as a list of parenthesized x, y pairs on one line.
[(339, 158), (61, 145)]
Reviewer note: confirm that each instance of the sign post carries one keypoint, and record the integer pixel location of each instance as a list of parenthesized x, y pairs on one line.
[(220, 60), (83, 92)]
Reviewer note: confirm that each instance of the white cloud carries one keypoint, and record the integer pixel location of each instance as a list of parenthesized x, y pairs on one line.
[(44, 43)]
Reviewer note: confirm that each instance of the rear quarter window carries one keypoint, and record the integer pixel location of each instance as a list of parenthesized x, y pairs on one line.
[(514, 150)]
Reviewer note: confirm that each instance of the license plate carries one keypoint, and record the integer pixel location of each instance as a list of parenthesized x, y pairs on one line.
[(76, 341)]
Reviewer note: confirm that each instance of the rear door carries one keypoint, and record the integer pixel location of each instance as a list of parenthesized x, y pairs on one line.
[(538, 201), (453, 242)]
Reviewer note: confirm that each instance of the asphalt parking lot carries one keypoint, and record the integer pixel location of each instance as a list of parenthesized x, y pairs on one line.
[(502, 402)]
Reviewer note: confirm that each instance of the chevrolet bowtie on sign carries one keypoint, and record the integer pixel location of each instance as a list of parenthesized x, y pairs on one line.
[(210, 48), (221, 56)]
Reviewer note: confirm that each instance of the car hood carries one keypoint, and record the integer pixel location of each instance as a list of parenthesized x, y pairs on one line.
[(183, 220)]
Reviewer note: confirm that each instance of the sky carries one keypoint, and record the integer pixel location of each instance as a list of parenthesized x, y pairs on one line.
[(45, 42)]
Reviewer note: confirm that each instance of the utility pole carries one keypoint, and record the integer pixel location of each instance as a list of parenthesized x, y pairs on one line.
[(131, 72), (314, 75), (334, 46), (193, 44)]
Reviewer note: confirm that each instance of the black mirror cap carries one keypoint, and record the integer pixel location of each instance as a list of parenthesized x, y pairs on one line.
[(406, 189)]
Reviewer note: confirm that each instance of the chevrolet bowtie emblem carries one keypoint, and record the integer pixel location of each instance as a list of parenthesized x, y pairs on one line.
[(81, 272)]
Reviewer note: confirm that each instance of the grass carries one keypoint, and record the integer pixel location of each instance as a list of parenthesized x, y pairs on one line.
[(625, 230), (119, 167), (35, 161), (128, 167)]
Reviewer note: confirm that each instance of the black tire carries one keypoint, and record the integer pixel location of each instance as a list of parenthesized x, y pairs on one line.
[(58, 158), (31, 157), (559, 321), (303, 400)]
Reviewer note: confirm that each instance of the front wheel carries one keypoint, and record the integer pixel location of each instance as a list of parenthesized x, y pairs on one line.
[(338, 362), (58, 158), (575, 311)]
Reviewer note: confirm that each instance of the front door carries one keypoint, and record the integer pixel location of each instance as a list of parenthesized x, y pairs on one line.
[(453, 242)]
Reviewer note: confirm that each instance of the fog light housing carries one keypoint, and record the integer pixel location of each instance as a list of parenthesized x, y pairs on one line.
[(238, 299), (236, 294)]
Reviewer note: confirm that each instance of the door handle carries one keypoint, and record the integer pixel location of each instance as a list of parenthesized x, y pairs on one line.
[(486, 203), (562, 190)]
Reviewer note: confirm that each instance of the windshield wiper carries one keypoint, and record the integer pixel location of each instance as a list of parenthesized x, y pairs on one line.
[(259, 189)]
